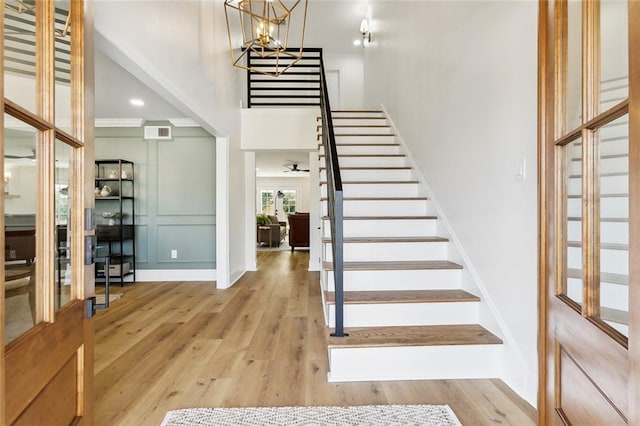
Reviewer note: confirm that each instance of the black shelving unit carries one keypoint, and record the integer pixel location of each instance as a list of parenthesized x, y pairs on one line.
[(116, 237)]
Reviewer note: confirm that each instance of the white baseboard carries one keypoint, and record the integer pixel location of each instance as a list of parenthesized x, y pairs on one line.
[(146, 275)]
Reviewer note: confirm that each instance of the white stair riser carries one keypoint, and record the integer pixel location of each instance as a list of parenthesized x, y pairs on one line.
[(419, 279), (359, 114), (399, 161), (614, 146), (365, 149), (613, 90), (613, 232), (608, 185), (609, 207), (415, 363), (611, 261), (382, 207), (381, 121), (371, 174), (614, 261), (385, 228), (610, 232), (615, 296), (369, 139), (365, 252), (406, 314), (614, 165), (376, 189), (619, 129), (359, 129)]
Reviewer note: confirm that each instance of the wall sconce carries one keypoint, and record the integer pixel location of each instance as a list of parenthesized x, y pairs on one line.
[(365, 30)]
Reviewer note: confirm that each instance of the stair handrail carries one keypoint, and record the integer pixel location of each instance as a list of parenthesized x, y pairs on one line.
[(335, 200)]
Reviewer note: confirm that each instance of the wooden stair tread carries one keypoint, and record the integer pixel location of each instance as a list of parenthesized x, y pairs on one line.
[(432, 335), (369, 155), (380, 199), (373, 168), (385, 217), (364, 144), (395, 265), (604, 246), (376, 182), (354, 117), (403, 296), (614, 315), (357, 110), (607, 277), (377, 126), (390, 240), (602, 219), (364, 134)]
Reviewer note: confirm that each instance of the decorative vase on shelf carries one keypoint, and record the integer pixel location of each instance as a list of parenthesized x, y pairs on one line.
[(125, 174), (106, 191), (113, 174)]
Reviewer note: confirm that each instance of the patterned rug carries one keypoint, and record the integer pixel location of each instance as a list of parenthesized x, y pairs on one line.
[(376, 415)]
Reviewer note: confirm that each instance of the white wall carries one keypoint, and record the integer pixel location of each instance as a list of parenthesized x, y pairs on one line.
[(180, 49), (279, 129), (463, 96), (350, 69)]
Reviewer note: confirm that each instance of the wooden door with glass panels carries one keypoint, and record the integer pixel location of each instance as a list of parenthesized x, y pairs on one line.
[(589, 216), (44, 135)]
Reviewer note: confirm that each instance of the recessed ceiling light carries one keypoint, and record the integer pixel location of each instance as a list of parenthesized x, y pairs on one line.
[(357, 42), (136, 102)]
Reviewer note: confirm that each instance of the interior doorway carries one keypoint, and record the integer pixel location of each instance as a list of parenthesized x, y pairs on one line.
[(281, 183)]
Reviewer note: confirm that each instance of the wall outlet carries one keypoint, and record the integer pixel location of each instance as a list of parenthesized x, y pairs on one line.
[(174, 254)]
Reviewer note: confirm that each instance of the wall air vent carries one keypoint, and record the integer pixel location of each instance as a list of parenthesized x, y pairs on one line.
[(157, 133)]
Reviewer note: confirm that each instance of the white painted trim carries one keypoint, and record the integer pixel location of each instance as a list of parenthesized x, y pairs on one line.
[(250, 210), (222, 213), (315, 212), (119, 122), (519, 384), (235, 277), (183, 122), (153, 275)]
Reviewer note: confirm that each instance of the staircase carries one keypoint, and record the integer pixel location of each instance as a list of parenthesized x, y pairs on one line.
[(405, 312)]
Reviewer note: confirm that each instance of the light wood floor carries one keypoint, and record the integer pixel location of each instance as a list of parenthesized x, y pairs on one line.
[(173, 345)]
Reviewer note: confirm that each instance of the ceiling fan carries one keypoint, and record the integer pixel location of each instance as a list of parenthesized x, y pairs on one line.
[(293, 167)]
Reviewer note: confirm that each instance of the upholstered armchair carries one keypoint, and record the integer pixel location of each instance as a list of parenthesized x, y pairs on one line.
[(272, 233), (299, 230)]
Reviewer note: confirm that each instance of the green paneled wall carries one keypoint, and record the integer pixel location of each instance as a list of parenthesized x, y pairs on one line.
[(175, 194)]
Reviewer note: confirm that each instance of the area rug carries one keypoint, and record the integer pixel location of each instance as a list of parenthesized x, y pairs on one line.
[(376, 415)]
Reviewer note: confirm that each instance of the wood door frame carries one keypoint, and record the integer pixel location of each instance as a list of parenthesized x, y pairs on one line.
[(548, 95), (634, 212), (59, 326)]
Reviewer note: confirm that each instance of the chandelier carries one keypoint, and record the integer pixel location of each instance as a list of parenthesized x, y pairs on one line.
[(267, 27)]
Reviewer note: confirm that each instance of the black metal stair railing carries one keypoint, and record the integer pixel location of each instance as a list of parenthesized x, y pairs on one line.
[(304, 84), (335, 197)]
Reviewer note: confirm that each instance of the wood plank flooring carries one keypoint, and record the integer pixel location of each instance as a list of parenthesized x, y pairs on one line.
[(173, 345)]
